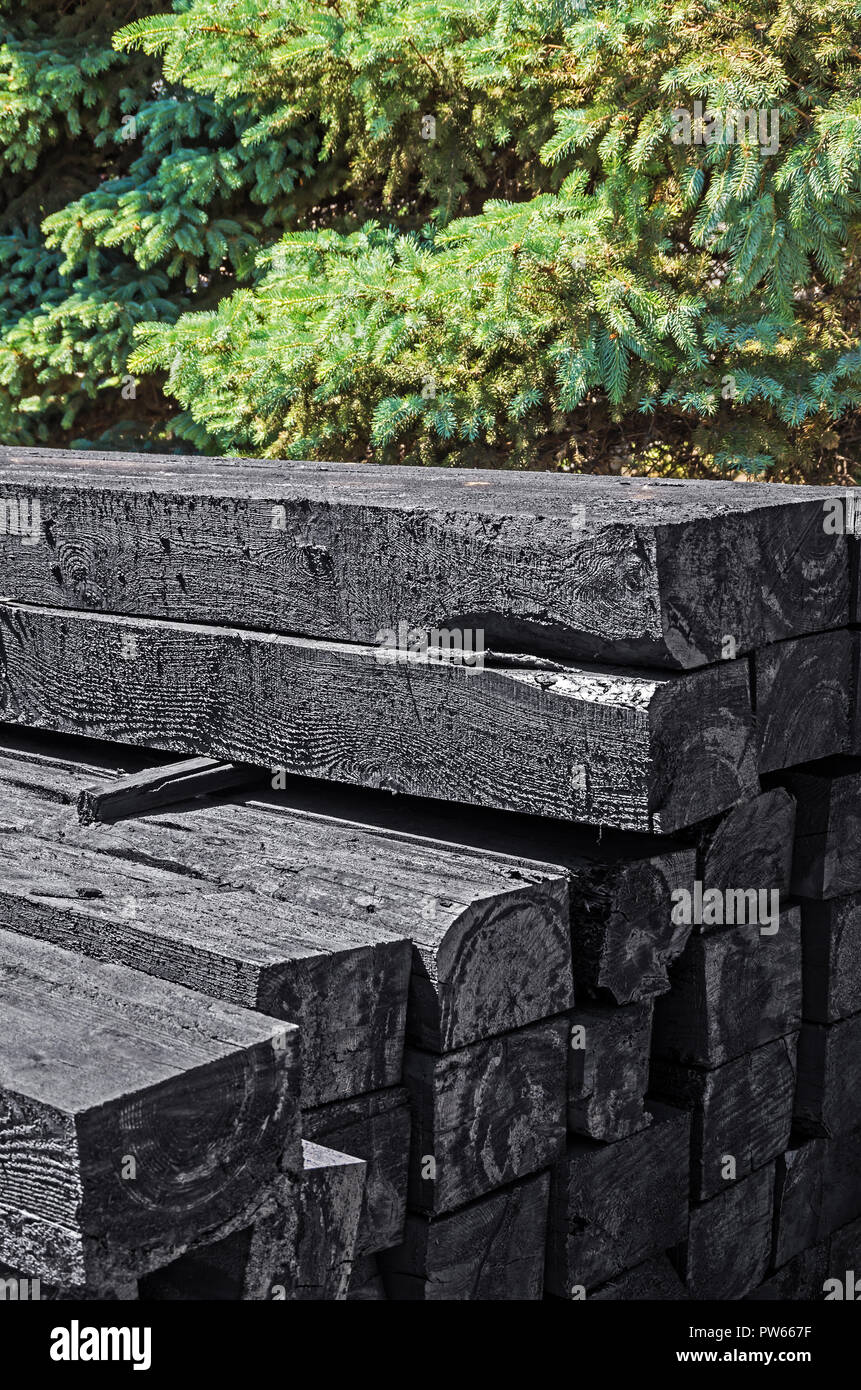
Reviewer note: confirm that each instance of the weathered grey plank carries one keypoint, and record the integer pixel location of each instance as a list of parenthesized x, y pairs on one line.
[(490, 941), (750, 846), (804, 699), (485, 1115), (375, 1128), (615, 1205), (490, 935), (640, 751), (156, 787), (649, 570), (344, 982), (727, 1250), (394, 855), (742, 1111), (329, 1213), (303, 1250), (608, 1070), (137, 1118), (732, 991), (491, 1249), (623, 935)]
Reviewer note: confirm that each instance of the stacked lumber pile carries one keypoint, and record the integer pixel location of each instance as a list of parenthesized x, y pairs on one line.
[(576, 1014)]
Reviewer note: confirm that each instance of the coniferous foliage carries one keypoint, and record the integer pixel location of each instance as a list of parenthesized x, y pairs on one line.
[(524, 232), (124, 200)]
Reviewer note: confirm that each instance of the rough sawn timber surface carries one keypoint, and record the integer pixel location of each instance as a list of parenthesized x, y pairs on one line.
[(640, 751), (303, 1250), (126, 894), (649, 570), (99, 1065), (749, 847), (614, 1205), (375, 1128), (826, 856), (623, 936), (728, 1247), (491, 1249), (828, 1099), (483, 938), (608, 1070), (732, 991), (804, 699), (485, 1115), (831, 957), (156, 787), (741, 1111)]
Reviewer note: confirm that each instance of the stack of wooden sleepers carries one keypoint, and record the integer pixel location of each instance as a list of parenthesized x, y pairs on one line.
[(426, 884)]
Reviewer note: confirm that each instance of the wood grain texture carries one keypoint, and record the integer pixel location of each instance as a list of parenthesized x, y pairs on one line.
[(490, 941), (329, 1212), (137, 1118), (658, 571), (750, 846), (621, 884), (831, 958), (828, 1098), (653, 1281), (826, 857), (488, 950), (640, 751), (489, 945), (608, 1070), (491, 1249), (375, 1128), (614, 1205), (300, 1251), (727, 1250), (156, 787), (732, 991), (740, 1111), (344, 982), (804, 697), (489, 964), (624, 938), (485, 1115)]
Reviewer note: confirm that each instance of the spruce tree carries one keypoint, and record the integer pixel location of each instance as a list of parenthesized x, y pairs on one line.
[(126, 199), (480, 231)]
